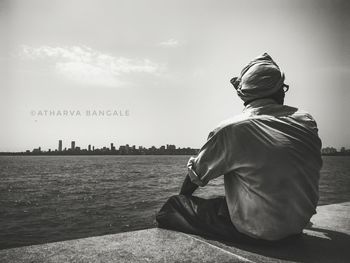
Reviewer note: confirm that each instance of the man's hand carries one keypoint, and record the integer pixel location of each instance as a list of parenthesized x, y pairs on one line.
[(188, 187)]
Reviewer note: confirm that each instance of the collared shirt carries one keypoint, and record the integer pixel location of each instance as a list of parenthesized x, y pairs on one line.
[(270, 158)]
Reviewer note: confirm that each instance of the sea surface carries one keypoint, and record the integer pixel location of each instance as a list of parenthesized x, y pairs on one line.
[(53, 198)]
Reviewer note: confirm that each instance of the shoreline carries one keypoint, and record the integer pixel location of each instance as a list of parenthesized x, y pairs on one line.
[(115, 154), (325, 241), (93, 154)]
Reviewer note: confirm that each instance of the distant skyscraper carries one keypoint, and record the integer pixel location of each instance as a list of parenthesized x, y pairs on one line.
[(112, 147), (60, 145), (89, 147), (72, 145)]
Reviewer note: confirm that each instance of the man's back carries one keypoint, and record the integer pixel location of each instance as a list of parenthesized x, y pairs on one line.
[(271, 159), (271, 182)]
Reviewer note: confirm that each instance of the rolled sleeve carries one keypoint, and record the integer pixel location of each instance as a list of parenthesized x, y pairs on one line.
[(192, 173), (211, 161)]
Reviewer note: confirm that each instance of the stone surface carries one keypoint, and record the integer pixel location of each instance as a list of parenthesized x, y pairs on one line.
[(327, 240), (334, 217), (151, 245)]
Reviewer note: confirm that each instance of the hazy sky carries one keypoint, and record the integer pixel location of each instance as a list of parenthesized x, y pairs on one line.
[(167, 62)]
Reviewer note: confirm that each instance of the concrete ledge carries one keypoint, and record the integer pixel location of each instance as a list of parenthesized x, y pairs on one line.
[(151, 245), (326, 241)]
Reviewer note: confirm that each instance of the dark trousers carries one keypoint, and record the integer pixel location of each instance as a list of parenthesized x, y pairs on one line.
[(204, 217)]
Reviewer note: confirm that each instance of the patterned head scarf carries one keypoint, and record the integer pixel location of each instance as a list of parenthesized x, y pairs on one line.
[(259, 79)]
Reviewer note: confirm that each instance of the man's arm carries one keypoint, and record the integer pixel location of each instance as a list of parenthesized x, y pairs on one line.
[(188, 187), (211, 162)]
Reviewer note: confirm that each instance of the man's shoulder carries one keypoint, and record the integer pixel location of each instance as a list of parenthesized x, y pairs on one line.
[(231, 123), (305, 119), (246, 118), (234, 121), (302, 114), (281, 111)]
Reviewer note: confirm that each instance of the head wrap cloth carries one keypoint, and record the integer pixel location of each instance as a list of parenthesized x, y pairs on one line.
[(259, 79)]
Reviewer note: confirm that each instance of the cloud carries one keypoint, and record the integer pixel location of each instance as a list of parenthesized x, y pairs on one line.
[(171, 43), (88, 74), (87, 66)]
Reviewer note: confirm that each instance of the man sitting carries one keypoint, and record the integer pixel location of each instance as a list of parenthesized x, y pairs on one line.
[(270, 158)]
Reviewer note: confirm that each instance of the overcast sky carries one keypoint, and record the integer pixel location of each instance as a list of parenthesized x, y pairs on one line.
[(167, 62)]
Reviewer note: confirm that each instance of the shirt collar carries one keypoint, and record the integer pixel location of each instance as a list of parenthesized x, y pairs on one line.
[(259, 103)]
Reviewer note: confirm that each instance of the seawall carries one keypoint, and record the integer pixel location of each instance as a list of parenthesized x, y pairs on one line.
[(327, 240)]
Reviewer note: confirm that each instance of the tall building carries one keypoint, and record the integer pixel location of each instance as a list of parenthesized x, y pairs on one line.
[(89, 147), (112, 147), (72, 145), (60, 145)]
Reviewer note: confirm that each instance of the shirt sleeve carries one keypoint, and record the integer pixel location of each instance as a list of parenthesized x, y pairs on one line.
[(211, 161)]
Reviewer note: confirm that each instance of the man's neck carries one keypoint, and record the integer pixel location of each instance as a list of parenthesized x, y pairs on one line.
[(259, 103)]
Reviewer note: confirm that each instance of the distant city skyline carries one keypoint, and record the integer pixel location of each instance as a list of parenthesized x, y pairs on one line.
[(327, 150), (91, 147), (61, 146), (159, 70), (127, 149)]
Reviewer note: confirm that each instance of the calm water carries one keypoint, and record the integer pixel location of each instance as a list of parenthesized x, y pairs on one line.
[(52, 198)]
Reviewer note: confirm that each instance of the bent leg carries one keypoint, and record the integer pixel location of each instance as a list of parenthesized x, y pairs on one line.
[(194, 215)]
